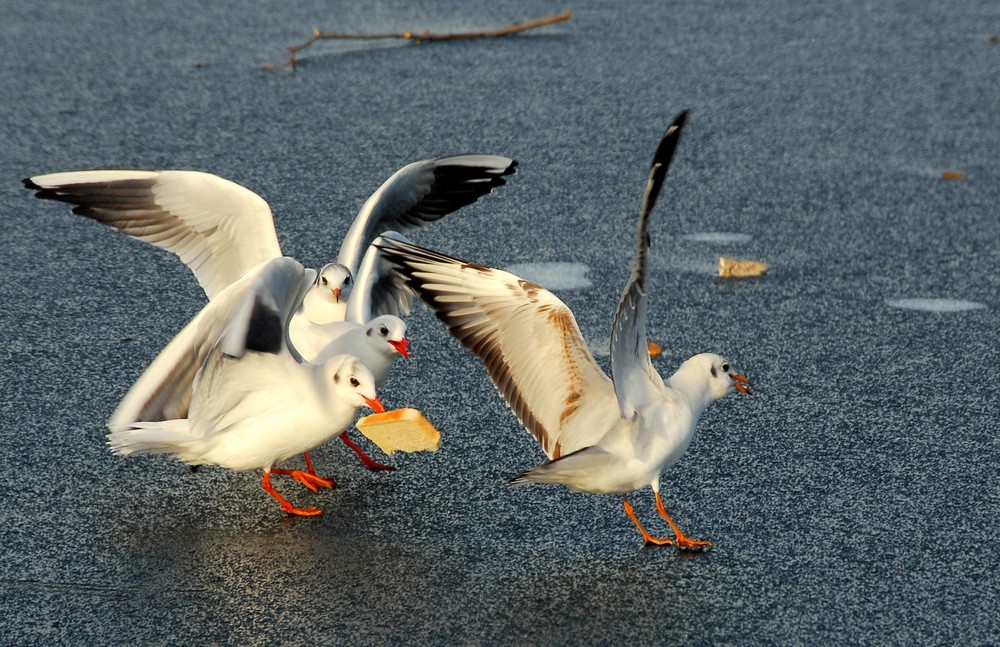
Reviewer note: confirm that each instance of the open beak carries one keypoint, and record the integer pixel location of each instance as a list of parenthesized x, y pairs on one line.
[(374, 404), (740, 383), (402, 346), (336, 294)]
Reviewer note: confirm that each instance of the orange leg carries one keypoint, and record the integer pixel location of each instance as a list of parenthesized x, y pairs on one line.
[(365, 458), (663, 541), (312, 472), (683, 542), (285, 505), (311, 481)]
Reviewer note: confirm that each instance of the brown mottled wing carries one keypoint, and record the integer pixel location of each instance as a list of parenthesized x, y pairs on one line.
[(525, 336), (217, 228)]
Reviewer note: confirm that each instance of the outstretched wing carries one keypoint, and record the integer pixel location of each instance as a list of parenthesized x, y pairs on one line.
[(525, 336), (218, 228), (377, 289), (420, 193), (631, 368), (251, 314)]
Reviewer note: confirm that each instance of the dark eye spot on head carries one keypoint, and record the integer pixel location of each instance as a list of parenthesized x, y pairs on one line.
[(347, 280), (336, 378), (383, 331), (369, 332), (725, 368), (354, 381), (714, 372)]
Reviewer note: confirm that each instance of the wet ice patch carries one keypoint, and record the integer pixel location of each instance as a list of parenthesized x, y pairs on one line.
[(554, 276), (935, 305), (718, 237)]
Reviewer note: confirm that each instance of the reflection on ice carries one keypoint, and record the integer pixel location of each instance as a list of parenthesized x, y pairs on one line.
[(554, 276), (935, 305), (718, 237)]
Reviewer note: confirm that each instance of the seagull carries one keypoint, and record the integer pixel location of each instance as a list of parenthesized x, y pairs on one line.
[(602, 435), (222, 230), (256, 402)]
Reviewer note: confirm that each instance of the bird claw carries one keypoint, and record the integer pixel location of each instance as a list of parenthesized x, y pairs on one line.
[(302, 512), (683, 543)]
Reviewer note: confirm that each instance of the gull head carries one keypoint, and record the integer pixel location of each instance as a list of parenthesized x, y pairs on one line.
[(708, 377), (392, 331), (334, 283), (353, 383)]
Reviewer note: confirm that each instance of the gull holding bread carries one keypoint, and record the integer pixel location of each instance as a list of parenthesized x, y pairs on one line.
[(255, 400), (223, 231), (604, 436)]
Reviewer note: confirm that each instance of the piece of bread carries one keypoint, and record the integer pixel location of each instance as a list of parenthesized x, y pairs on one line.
[(731, 268), (404, 430)]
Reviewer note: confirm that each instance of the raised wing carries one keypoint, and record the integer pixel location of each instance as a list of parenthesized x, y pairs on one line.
[(247, 315), (631, 368), (420, 193), (377, 289), (218, 228), (527, 339)]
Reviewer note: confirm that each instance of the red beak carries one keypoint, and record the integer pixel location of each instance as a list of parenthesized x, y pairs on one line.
[(402, 346), (374, 404), (336, 294), (740, 383)]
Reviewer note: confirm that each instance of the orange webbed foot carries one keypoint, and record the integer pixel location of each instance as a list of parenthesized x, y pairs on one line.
[(311, 481)]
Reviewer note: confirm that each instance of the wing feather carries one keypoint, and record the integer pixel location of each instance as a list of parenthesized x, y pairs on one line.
[(527, 339), (218, 228), (631, 368), (420, 193), (233, 323)]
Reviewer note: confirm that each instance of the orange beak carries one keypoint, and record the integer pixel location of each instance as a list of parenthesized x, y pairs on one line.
[(402, 346), (740, 383), (336, 294), (374, 404)]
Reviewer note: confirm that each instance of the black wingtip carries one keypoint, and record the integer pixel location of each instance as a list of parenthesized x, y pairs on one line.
[(661, 160), (28, 184)]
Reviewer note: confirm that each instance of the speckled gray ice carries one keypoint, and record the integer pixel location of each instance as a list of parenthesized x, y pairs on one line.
[(935, 305)]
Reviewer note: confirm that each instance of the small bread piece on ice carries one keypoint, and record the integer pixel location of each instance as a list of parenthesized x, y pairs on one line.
[(731, 268), (403, 430)]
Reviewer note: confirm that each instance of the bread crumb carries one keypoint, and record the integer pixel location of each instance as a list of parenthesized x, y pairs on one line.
[(403, 430), (731, 268)]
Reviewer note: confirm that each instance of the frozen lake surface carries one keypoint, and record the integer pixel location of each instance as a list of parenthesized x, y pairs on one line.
[(853, 499)]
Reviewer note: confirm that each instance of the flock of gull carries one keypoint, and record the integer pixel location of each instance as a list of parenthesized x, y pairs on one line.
[(282, 357)]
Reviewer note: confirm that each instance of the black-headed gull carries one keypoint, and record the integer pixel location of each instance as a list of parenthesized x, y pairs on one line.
[(255, 401), (608, 436), (222, 230)]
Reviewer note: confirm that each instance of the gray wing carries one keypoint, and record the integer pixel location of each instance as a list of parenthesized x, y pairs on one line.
[(378, 290), (420, 193), (218, 228), (249, 315), (631, 368)]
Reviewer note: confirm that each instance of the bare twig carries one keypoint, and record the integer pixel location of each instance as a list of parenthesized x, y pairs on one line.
[(417, 38)]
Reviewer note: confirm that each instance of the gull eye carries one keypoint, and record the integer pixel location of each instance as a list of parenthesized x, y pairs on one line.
[(725, 368), (347, 280), (354, 382), (323, 280), (383, 331)]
